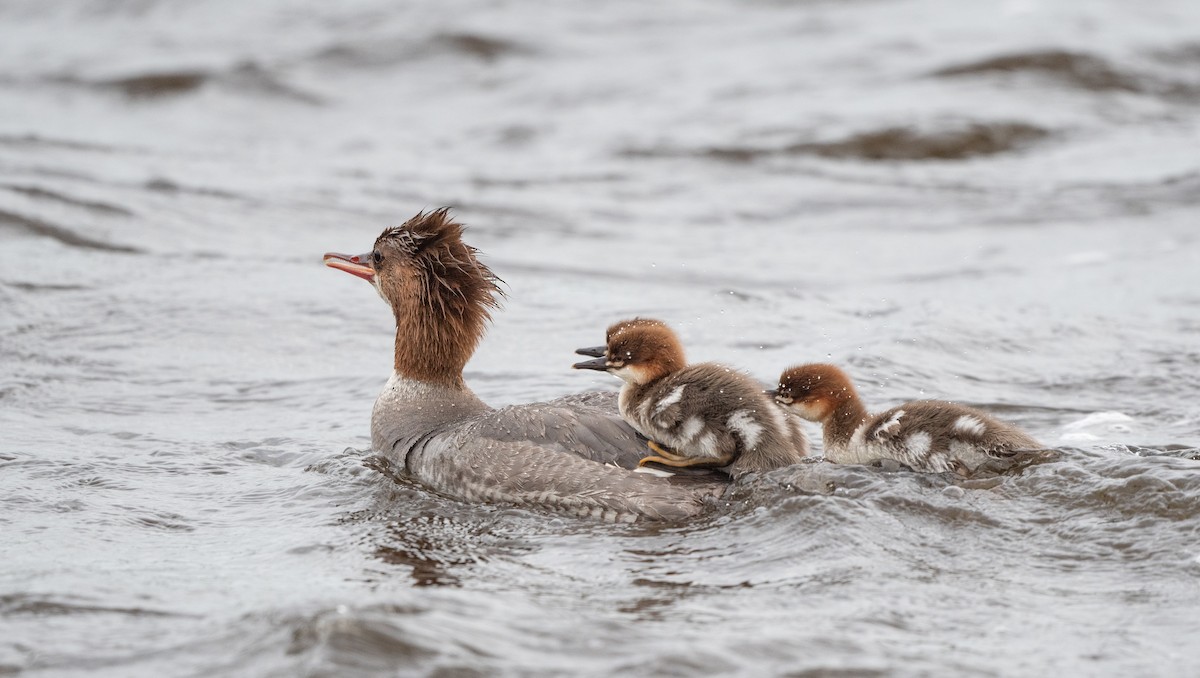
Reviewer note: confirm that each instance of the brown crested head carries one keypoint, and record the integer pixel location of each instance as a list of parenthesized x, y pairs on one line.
[(600, 351), (643, 350), (440, 293), (815, 391), (623, 325)]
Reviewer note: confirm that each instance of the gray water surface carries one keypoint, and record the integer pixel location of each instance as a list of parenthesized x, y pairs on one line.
[(993, 203)]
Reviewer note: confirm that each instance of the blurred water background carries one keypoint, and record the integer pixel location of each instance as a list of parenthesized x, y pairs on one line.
[(994, 203)]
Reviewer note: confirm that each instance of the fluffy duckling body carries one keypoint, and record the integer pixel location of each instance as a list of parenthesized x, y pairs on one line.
[(706, 414), (925, 435)]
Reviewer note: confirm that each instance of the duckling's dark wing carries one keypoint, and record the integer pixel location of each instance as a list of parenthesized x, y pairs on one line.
[(585, 425)]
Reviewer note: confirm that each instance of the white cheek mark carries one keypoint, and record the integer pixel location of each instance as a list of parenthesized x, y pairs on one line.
[(970, 425), (673, 397), (891, 424), (812, 411), (918, 444), (743, 424), (628, 374)]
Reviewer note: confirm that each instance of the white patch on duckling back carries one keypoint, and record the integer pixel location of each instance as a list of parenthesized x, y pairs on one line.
[(970, 425), (691, 428), (671, 398), (743, 424), (889, 426), (918, 444)]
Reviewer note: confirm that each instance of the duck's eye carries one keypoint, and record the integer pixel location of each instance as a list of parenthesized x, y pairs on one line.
[(376, 257)]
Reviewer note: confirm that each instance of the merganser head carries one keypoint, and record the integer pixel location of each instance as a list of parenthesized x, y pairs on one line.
[(814, 391), (438, 290), (639, 351)]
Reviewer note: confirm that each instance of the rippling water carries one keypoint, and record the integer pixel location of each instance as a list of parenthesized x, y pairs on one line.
[(995, 203)]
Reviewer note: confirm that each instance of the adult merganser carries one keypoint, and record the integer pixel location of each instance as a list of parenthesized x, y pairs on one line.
[(572, 455), (707, 414), (925, 435)]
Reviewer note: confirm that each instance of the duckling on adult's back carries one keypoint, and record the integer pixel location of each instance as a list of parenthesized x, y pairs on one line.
[(572, 455), (925, 435), (707, 414)]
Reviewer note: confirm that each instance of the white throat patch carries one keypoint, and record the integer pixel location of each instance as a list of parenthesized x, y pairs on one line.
[(629, 374)]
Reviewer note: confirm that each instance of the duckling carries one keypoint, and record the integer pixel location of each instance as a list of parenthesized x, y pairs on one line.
[(695, 415), (925, 435)]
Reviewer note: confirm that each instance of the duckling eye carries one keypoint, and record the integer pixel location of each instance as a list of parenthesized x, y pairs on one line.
[(376, 257)]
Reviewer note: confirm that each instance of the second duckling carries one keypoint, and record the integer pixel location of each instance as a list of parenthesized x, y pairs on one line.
[(704, 414), (925, 435)]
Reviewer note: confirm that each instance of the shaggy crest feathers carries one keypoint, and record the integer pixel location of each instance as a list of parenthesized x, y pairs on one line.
[(440, 292), (433, 242)]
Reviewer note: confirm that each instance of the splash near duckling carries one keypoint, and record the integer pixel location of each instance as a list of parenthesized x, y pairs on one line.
[(705, 414)]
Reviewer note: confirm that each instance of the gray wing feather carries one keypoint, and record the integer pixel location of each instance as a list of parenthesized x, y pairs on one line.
[(526, 474), (585, 425)]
